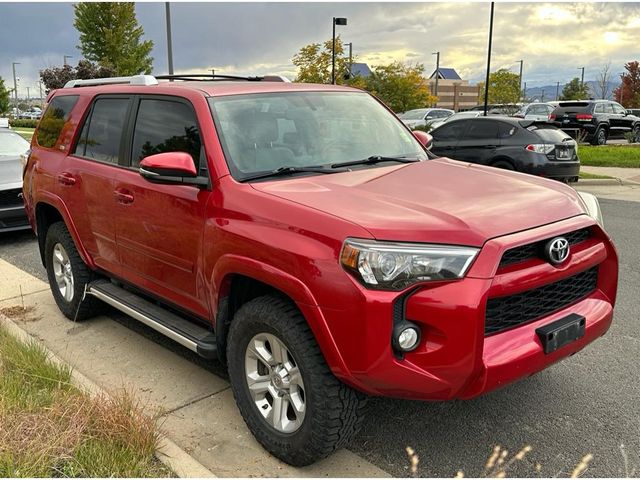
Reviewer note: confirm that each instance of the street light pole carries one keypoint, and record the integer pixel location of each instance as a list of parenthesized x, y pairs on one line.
[(350, 58), (557, 90), (582, 76), (64, 59), (542, 96), (521, 62), (524, 92), (486, 83), (28, 94), (167, 11), (336, 21), (15, 83), (435, 93)]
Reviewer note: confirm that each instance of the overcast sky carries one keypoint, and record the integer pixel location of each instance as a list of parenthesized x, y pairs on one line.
[(554, 39)]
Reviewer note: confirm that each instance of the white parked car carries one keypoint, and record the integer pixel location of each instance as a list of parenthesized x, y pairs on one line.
[(535, 111), (12, 148), (423, 116)]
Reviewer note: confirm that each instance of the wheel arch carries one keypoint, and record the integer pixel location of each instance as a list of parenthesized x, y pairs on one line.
[(238, 280), (502, 158), (49, 211)]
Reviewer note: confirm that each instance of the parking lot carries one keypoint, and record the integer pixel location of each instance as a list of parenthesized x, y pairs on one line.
[(585, 404)]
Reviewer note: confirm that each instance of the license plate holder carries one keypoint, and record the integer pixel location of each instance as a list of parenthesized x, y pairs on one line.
[(561, 332)]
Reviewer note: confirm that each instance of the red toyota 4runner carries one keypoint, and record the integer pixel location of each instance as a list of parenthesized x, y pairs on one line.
[(304, 236)]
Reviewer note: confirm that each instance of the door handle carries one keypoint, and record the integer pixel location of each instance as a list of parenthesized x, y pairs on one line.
[(123, 196), (65, 178)]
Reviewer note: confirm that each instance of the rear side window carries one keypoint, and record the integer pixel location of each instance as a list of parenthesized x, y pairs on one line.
[(53, 120), (165, 126), (102, 132), (505, 130)]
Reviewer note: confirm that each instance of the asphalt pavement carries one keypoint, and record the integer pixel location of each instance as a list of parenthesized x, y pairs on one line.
[(589, 403)]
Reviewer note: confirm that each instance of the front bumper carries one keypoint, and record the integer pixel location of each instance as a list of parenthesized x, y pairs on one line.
[(455, 359)]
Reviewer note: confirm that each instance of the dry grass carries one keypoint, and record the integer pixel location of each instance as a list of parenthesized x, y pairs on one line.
[(49, 428), (20, 313)]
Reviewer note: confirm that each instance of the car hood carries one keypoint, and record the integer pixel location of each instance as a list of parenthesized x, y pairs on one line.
[(438, 201), (10, 172)]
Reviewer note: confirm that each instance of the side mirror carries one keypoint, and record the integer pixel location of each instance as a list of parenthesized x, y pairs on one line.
[(171, 168), (424, 138)]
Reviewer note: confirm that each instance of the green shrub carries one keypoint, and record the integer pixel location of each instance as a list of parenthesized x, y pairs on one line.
[(23, 122), (424, 128)]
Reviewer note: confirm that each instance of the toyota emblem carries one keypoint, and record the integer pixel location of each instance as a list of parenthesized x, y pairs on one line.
[(556, 250)]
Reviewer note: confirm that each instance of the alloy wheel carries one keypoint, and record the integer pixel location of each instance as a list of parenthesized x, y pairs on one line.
[(275, 383), (62, 272)]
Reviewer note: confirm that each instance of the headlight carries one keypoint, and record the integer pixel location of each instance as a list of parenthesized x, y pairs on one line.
[(395, 266), (592, 206)]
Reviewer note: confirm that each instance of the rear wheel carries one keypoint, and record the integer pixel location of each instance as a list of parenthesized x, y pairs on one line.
[(292, 403), (68, 275), (600, 137), (636, 134), (503, 164)]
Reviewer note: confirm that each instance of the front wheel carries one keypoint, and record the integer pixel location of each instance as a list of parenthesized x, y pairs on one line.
[(285, 391), (68, 275)]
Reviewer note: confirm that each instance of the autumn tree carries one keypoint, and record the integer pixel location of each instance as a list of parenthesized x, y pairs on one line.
[(575, 90), (402, 87), (628, 92), (56, 77), (5, 98), (111, 36), (504, 87), (314, 62)]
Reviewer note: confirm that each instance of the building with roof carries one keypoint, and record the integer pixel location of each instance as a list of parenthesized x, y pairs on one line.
[(360, 70), (453, 92)]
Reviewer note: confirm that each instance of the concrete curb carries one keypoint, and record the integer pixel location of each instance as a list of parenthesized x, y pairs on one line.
[(605, 182), (169, 453)]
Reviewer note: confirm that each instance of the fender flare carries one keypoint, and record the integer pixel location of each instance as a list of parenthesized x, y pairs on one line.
[(56, 202), (232, 264)]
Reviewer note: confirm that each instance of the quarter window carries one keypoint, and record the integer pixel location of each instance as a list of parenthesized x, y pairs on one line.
[(165, 126), (102, 132), (54, 119)]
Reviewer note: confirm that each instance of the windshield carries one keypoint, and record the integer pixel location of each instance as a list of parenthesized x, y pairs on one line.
[(267, 131), (12, 144), (413, 114)]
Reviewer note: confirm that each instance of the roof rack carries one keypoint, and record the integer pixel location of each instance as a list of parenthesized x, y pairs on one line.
[(151, 80), (203, 77), (132, 80)]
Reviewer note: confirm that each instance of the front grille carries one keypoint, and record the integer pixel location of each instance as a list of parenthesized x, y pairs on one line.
[(507, 312), (11, 197), (534, 250)]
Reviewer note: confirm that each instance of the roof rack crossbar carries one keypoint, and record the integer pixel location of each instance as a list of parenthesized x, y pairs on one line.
[(132, 80), (201, 77)]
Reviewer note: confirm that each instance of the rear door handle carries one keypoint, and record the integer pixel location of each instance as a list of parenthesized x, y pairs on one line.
[(123, 196), (65, 178)]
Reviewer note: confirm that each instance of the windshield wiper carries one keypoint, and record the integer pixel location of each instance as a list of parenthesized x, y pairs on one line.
[(375, 159), (288, 170)]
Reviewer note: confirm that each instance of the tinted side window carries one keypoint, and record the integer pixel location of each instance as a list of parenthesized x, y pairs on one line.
[(481, 129), (103, 129), (505, 130), (608, 108), (618, 109), (54, 119), (165, 126), (450, 131)]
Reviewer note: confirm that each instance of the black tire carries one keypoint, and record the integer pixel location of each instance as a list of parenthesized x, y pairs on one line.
[(600, 137), (505, 165), (74, 308), (334, 411), (636, 134)]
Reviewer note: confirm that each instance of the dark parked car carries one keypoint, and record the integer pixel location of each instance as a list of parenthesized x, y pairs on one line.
[(522, 145), (634, 111), (596, 120)]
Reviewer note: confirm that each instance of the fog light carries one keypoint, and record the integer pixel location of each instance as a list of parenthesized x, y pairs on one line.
[(406, 336)]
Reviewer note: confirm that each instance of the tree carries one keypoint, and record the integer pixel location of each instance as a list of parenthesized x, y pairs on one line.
[(602, 81), (314, 62), (628, 92), (56, 77), (504, 87), (402, 87), (111, 36), (575, 90), (5, 98)]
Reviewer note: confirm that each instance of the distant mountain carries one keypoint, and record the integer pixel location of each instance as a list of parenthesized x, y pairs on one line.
[(536, 93)]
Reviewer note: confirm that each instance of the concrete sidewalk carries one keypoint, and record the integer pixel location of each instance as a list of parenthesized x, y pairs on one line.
[(201, 414), (631, 175)]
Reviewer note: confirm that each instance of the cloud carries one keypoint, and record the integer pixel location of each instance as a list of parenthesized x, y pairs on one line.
[(553, 39)]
